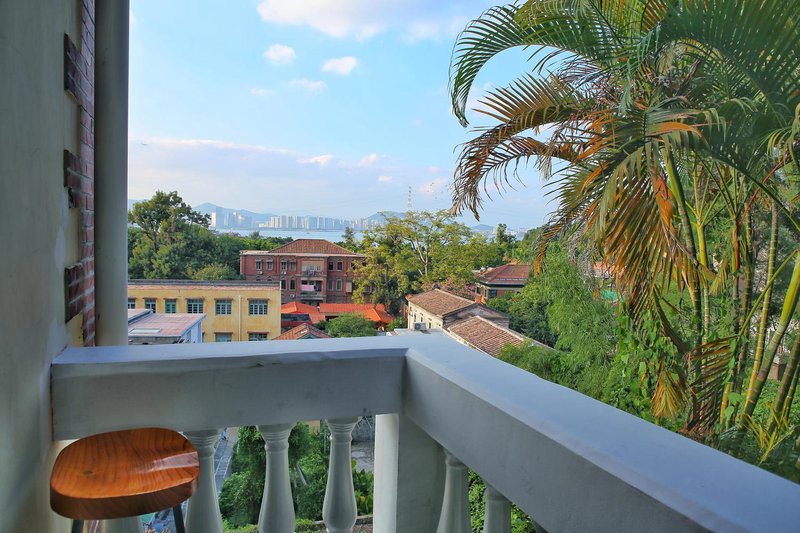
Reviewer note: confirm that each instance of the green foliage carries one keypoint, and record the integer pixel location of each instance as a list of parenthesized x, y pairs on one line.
[(214, 272), (172, 241), (398, 323), (405, 254), (520, 522), (527, 315), (240, 498), (350, 326), (228, 528), (309, 497), (349, 240)]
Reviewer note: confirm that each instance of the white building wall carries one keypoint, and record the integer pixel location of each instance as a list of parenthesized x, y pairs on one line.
[(416, 314), (38, 239)]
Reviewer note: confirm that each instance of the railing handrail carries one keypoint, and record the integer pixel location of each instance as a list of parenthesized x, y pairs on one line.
[(572, 462)]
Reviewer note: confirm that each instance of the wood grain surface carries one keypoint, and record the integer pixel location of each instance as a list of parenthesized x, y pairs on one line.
[(123, 473)]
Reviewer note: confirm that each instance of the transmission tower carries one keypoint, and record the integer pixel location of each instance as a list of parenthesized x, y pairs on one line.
[(408, 207)]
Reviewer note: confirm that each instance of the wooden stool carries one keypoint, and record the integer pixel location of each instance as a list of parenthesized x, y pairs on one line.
[(122, 474)]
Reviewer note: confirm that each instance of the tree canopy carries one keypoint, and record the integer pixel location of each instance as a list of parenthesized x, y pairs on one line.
[(671, 137)]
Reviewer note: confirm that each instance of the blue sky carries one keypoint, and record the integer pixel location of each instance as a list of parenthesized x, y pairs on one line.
[(332, 107)]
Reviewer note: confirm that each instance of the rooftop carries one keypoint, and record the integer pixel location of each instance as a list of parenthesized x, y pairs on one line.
[(142, 322), (297, 308), (440, 302), (303, 331), (485, 335), (373, 312), (194, 284), (307, 247), (510, 274)]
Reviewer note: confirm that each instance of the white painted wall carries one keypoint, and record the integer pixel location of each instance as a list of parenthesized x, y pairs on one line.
[(38, 238), (418, 314)]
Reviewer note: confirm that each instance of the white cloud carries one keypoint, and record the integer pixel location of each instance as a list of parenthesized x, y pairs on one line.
[(310, 86), (260, 91), (414, 20), (385, 179), (279, 54), (369, 160), (321, 160), (340, 65)]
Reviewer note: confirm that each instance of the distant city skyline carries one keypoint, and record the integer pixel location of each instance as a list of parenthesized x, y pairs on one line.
[(326, 108)]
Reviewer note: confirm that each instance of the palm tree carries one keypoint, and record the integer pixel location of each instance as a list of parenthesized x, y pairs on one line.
[(666, 118)]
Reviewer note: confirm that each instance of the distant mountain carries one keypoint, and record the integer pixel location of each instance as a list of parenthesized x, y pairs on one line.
[(383, 215), (482, 228)]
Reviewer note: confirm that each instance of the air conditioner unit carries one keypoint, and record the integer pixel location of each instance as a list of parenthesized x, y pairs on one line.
[(259, 272), (419, 326), (283, 272)]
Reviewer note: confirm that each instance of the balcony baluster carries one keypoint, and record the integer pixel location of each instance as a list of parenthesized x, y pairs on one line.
[(339, 506), (498, 512), (203, 515), (277, 509), (454, 517)]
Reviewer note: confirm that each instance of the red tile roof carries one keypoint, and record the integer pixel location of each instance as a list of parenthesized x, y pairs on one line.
[(511, 274), (485, 335), (303, 331), (439, 302), (305, 247), (297, 308), (373, 312)]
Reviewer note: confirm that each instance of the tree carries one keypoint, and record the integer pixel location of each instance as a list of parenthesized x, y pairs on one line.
[(349, 239), (163, 216), (675, 128), (350, 326), (403, 255), (214, 271)]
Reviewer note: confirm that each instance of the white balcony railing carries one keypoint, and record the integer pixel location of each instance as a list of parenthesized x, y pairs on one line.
[(572, 463)]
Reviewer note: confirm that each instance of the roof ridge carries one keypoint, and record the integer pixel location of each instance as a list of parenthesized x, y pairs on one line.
[(498, 326)]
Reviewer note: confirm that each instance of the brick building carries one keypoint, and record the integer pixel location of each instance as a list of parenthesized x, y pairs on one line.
[(310, 271), (501, 280)]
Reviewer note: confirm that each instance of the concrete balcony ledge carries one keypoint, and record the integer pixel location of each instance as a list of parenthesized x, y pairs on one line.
[(571, 462)]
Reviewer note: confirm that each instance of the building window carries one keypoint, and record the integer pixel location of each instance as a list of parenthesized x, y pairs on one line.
[(258, 307), (338, 284), (283, 284), (339, 265), (330, 284), (258, 264), (257, 336), (131, 303), (478, 289), (283, 265), (293, 266), (170, 306), (292, 284), (330, 265), (492, 293), (194, 305), (150, 303), (223, 337), (223, 307), (270, 264)]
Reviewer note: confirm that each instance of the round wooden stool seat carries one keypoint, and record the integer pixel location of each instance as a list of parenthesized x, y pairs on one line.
[(123, 473)]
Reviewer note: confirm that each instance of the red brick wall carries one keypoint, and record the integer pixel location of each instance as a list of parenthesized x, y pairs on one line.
[(79, 172), (247, 266)]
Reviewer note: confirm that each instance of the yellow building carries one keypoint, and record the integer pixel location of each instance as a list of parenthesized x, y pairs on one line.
[(235, 310)]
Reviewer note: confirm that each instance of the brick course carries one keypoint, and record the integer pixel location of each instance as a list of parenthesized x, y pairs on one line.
[(79, 172)]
